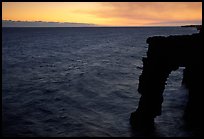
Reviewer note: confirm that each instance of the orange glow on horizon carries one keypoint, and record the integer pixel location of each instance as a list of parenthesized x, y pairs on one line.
[(106, 13)]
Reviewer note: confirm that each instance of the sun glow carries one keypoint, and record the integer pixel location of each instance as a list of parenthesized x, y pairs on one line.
[(106, 13)]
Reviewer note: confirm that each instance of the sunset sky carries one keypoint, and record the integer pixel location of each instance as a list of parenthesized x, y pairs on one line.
[(106, 13)]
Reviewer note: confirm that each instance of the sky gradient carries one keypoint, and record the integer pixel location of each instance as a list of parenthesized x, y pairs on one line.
[(106, 13)]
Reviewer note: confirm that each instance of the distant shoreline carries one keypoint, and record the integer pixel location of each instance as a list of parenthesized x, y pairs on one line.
[(198, 27), (191, 26)]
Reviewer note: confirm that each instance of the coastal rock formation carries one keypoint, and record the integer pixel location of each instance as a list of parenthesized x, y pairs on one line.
[(166, 54)]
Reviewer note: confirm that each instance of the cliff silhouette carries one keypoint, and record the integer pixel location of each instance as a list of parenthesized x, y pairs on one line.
[(164, 55)]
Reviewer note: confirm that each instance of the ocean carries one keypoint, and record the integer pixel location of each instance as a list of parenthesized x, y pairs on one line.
[(82, 82)]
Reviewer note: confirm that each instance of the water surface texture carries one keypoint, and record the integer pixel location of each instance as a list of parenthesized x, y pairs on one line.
[(75, 82)]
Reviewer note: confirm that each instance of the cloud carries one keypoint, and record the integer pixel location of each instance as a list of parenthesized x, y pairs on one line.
[(11, 23), (152, 10), (145, 13)]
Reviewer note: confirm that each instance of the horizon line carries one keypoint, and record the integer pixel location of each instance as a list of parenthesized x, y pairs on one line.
[(77, 24), (96, 26)]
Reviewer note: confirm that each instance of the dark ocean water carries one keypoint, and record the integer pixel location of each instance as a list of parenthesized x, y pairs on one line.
[(82, 82)]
